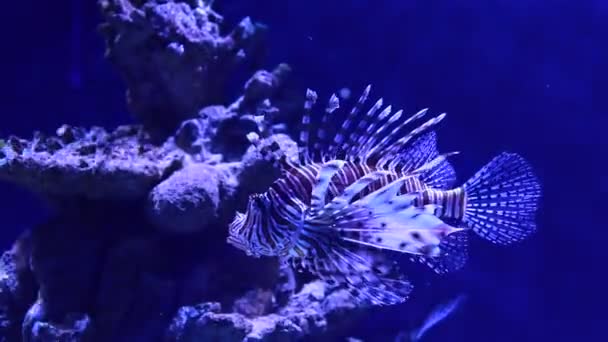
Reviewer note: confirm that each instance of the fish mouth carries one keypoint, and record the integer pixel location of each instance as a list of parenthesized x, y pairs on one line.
[(237, 223), (236, 242), (239, 243), (236, 237)]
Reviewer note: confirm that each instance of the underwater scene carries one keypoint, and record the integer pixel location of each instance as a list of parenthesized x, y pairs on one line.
[(347, 170)]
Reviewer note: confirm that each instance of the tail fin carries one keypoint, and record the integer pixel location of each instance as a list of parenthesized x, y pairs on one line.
[(502, 199)]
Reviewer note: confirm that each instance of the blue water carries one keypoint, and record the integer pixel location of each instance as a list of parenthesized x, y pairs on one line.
[(512, 75)]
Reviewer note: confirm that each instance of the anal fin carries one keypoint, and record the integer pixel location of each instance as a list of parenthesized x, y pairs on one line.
[(453, 254)]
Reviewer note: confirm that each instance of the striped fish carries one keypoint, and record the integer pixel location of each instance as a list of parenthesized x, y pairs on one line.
[(379, 185)]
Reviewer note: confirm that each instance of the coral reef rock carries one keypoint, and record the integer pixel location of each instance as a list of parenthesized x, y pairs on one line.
[(187, 201), (17, 288), (76, 327), (261, 86), (92, 164), (173, 57), (306, 314)]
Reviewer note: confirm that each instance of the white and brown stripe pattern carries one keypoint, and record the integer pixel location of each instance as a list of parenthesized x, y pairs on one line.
[(451, 203), (367, 142)]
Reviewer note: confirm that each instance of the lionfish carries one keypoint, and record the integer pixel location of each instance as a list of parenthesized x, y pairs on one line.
[(379, 187)]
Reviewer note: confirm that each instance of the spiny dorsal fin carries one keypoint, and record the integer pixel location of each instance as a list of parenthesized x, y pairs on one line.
[(373, 126), (368, 149), (376, 135), (443, 176), (432, 163), (390, 150), (419, 153), (358, 135), (320, 145), (311, 99), (345, 129), (422, 156)]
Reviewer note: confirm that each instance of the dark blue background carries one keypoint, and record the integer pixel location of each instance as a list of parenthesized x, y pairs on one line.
[(513, 75)]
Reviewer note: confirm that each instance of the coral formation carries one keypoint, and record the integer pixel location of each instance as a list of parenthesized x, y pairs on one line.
[(92, 164), (306, 314), (173, 56), (186, 201), (17, 288)]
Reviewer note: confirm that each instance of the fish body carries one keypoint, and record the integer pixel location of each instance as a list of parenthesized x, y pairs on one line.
[(452, 202), (381, 186)]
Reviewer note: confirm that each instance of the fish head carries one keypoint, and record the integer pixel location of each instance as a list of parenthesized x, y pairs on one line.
[(236, 235), (249, 231)]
